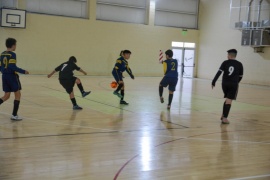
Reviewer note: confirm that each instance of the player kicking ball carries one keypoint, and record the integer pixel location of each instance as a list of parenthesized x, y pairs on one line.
[(121, 66), (67, 80)]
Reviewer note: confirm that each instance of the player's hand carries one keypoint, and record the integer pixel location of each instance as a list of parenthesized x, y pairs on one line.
[(84, 73), (132, 77), (26, 72)]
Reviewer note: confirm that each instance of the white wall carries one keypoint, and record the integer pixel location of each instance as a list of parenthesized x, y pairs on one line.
[(216, 37)]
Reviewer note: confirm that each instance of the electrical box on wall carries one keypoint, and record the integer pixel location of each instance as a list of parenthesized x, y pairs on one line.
[(246, 37), (260, 37)]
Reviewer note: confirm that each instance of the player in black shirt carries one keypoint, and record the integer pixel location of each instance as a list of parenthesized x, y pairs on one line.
[(67, 80), (232, 75)]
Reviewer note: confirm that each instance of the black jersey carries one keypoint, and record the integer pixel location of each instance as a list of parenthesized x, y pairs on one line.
[(66, 70), (232, 72)]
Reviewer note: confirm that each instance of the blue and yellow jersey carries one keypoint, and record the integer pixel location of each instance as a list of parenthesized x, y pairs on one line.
[(122, 65), (170, 67), (8, 63)]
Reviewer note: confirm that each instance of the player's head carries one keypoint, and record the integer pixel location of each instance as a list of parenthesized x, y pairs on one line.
[(126, 54), (121, 53), (72, 59), (232, 53), (169, 54), (11, 43)]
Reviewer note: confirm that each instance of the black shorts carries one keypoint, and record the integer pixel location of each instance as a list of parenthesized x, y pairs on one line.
[(68, 84), (171, 81), (230, 90)]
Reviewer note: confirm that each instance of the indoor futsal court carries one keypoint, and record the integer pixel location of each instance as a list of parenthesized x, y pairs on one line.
[(140, 141), (145, 44)]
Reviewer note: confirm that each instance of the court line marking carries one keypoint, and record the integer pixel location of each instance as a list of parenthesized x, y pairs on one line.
[(167, 142), (251, 177)]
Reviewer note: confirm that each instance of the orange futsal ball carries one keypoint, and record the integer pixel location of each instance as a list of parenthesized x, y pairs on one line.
[(114, 84)]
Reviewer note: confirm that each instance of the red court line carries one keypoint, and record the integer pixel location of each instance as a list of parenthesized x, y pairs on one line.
[(167, 142)]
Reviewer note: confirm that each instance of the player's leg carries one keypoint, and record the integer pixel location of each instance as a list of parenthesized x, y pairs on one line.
[(172, 86), (119, 79), (6, 88), (232, 90), (80, 86), (5, 97), (123, 94), (74, 103), (16, 88), (163, 83), (226, 111)]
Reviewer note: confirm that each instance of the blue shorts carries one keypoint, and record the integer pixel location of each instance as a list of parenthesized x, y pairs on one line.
[(117, 75), (171, 81), (11, 83)]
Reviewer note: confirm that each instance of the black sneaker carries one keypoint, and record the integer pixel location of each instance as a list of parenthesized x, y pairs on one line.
[(77, 107), (123, 102), (161, 99), (85, 93)]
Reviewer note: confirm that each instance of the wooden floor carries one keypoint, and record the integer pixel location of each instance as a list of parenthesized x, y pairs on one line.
[(141, 141)]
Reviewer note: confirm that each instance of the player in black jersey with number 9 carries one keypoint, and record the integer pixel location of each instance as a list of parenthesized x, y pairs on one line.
[(67, 80), (232, 75)]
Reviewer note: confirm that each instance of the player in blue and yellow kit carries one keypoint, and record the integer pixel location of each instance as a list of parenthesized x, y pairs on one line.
[(170, 76), (121, 66), (10, 78)]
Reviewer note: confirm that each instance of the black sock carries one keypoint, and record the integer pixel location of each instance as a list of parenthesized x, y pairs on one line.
[(80, 87), (15, 107), (170, 99), (119, 87), (227, 108), (223, 108), (73, 100), (123, 94), (1, 101), (160, 91)]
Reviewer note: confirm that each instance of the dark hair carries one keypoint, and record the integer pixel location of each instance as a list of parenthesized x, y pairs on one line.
[(72, 59), (169, 53), (232, 52), (121, 53), (126, 52), (10, 42)]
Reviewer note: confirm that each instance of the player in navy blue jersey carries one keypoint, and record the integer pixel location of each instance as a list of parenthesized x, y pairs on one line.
[(232, 75), (121, 66), (10, 78), (170, 78), (68, 80)]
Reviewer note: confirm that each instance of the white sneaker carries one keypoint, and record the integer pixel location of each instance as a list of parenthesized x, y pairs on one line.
[(16, 118)]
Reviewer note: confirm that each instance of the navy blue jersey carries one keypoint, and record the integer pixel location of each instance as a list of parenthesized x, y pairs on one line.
[(66, 70), (8, 63), (121, 65), (170, 68)]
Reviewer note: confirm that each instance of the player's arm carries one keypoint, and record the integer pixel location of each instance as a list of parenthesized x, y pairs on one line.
[(221, 69), (82, 71), (165, 67), (118, 64), (12, 65), (130, 72), (58, 68), (241, 73)]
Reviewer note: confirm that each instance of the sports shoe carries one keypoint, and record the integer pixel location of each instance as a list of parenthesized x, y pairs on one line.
[(123, 102), (16, 118), (161, 99), (117, 94), (85, 93), (77, 107), (225, 121), (169, 107)]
